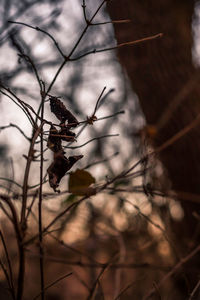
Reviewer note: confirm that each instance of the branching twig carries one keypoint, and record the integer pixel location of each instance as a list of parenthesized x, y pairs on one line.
[(173, 271), (5, 272), (118, 46), (24, 109), (97, 280), (10, 277), (17, 127), (194, 290), (43, 31)]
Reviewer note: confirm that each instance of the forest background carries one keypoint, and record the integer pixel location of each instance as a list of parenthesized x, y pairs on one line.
[(126, 93)]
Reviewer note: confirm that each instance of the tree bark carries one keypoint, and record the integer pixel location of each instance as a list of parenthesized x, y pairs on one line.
[(162, 72), (166, 81)]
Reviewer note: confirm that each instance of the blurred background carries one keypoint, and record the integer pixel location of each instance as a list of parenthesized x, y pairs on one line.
[(128, 241)]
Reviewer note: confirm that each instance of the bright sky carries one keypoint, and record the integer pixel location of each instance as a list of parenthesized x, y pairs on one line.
[(98, 71)]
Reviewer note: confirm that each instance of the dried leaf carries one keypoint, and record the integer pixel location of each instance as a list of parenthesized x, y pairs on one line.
[(80, 181), (60, 111), (54, 141), (66, 134), (59, 167)]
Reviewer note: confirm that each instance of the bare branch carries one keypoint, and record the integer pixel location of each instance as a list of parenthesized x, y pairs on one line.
[(153, 37), (43, 31), (97, 138), (173, 271), (17, 127), (10, 277)]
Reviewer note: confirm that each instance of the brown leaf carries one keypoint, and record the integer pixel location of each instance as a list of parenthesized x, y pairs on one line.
[(54, 141), (60, 111), (59, 167), (66, 134)]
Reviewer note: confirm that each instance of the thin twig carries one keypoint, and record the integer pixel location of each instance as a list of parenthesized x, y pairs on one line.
[(17, 127), (19, 239), (26, 175), (194, 290), (31, 205), (26, 112), (81, 280), (43, 31), (98, 100), (179, 134), (53, 283), (103, 187), (27, 58), (153, 37), (84, 11), (5, 272), (62, 213), (63, 244), (112, 22), (9, 265), (98, 119), (12, 181), (5, 211), (118, 297), (110, 116), (97, 265), (173, 271), (101, 161), (96, 281), (68, 57), (25, 107), (177, 101), (94, 139), (85, 29)]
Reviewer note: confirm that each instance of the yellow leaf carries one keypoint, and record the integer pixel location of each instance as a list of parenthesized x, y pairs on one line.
[(79, 183)]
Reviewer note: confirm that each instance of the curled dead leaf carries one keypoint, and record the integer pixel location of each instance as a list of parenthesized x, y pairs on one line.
[(61, 112), (54, 142), (59, 167), (66, 134)]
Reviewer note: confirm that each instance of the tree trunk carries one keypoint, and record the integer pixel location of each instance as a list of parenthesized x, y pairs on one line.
[(162, 74)]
